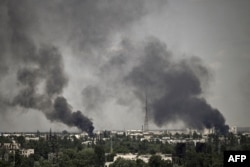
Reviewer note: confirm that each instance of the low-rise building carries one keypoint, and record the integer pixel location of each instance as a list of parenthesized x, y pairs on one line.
[(31, 138), (27, 152), (144, 157), (238, 130), (11, 147)]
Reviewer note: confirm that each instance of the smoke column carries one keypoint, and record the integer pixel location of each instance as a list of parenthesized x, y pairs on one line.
[(40, 70), (29, 33), (174, 88), (32, 64)]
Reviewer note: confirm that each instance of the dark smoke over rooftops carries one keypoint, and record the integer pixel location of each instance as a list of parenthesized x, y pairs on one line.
[(39, 69), (33, 35), (47, 67), (63, 112), (174, 89)]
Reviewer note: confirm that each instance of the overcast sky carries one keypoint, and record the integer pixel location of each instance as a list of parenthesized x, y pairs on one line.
[(103, 44)]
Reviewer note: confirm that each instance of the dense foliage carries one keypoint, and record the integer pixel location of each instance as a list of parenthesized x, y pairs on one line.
[(75, 152)]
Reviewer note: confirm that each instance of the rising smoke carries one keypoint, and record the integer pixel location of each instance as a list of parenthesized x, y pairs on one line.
[(32, 34), (174, 88), (40, 70)]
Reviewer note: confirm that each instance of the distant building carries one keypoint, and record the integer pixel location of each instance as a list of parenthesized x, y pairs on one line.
[(27, 152), (144, 157), (128, 156), (208, 131), (31, 138), (11, 147), (179, 131), (237, 130)]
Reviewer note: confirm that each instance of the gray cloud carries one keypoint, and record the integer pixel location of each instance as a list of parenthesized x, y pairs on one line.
[(88, 25), (93, 98)]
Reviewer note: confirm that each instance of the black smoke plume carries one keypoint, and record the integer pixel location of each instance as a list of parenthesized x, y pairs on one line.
[(48, 69), (63, 112), (33, 33), (29, 34), (174, 88), (39, 69)]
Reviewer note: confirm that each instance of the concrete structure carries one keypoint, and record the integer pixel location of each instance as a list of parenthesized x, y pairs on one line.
[(144, 157), (31, 138), (11, 147), (237, 130), (27, 152), (129, 156)]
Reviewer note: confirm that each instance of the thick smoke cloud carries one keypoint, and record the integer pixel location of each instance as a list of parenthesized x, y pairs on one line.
[(88, 25), (34, 33), (40, 70), (174, 88), (63, 112)]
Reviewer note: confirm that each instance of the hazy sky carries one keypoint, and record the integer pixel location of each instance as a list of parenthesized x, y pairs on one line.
[(104, 48)]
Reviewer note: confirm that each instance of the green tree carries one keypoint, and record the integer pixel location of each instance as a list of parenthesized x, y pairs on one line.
[(5, 163), (85, 158), (155, 161), (27, 162), (110, 157), (192, 159), (5, 139), (66, 157), (16, 158), (141, 163), (45, 163), (196, 135), (166, 148), (21, 140), (100, 156)]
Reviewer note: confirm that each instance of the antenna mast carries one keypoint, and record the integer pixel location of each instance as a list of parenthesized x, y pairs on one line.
[(146, 114)]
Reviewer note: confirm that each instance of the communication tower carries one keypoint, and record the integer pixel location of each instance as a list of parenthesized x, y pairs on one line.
[(146, 114)]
